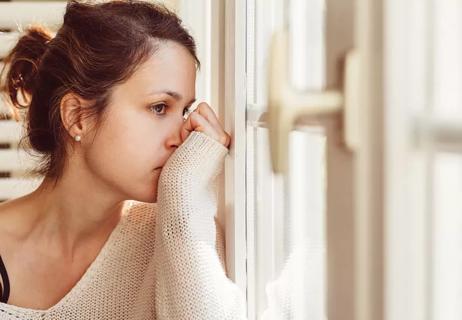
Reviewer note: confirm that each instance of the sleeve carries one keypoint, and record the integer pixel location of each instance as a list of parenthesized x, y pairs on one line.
[(191, 282)]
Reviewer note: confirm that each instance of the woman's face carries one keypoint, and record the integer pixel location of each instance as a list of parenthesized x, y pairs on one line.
[(142, 125)]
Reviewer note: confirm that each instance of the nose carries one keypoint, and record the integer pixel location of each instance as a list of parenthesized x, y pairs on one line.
[(174, 137)]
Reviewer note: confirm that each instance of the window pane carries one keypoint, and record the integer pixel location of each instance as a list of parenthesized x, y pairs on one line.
[(447, 39), (263, 18), (304, 268), (447, 237), (307, 45), (286, 236), (285, 215)]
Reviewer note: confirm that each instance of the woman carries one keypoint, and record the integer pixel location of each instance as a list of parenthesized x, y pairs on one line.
[(123, 225)]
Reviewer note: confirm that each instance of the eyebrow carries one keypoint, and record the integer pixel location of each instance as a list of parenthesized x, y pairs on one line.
[(175, 95)]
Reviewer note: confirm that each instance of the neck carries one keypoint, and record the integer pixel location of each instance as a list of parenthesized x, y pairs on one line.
[(68, 216)]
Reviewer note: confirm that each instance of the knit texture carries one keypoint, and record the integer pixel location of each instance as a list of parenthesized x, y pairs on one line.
[(163, 260)]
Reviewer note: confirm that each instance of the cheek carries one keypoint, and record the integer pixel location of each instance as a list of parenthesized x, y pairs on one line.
[(125, 158)]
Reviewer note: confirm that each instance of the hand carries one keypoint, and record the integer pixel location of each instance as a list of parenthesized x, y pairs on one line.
[(204, 120)]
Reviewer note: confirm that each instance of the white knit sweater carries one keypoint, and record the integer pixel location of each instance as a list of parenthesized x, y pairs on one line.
[(163, 260)]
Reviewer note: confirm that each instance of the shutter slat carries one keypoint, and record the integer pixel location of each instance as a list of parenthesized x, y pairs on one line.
[(10, 131), (15, 160), (16, 187), (14, 14), (14, 18)]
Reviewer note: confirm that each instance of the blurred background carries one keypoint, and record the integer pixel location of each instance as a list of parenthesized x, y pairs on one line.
[(341, 195)]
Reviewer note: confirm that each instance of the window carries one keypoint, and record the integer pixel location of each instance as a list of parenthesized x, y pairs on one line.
[(424, 140)]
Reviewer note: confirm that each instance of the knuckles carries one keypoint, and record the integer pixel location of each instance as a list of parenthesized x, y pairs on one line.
[(225, 140)]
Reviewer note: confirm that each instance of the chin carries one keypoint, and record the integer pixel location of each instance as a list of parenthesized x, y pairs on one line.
[(148, 193), (150, 198)]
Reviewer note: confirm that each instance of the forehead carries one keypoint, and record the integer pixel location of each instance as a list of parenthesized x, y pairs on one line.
[(171, 67)]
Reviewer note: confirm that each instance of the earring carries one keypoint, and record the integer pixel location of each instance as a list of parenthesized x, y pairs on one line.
[(77, 138)]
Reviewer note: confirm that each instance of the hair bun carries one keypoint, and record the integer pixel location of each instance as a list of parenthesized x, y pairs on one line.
[(23, 62)]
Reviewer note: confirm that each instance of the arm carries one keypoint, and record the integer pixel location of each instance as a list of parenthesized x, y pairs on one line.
[(190, 280)]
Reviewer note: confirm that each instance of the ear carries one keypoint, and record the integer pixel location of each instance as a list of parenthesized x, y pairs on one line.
[(70, 109)]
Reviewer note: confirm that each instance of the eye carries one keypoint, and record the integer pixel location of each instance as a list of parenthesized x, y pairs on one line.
[(159, 108)]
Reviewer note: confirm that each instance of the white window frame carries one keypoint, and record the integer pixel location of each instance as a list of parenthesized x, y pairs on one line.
[(235, 122)]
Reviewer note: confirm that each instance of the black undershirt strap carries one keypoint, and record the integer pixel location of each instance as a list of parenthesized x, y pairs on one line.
[(5, 291)]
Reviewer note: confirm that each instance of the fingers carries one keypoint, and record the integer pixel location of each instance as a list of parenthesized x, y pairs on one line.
[(207, 112), (196, 122), (204, 120)]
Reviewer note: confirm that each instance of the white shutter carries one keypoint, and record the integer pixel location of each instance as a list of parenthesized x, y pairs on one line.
[(15, 163)]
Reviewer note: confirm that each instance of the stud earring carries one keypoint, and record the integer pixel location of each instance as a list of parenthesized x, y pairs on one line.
[(77, 138)]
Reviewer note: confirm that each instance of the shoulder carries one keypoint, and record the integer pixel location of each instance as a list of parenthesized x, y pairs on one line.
[(12, 218), (14, 228)]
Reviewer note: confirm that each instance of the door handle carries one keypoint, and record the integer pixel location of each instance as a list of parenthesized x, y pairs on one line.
[(286, 104)]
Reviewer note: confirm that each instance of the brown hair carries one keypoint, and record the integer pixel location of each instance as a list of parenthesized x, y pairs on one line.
[(98, 46)]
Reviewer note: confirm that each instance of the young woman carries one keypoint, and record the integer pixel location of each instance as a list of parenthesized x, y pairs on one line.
[(123, 225)]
